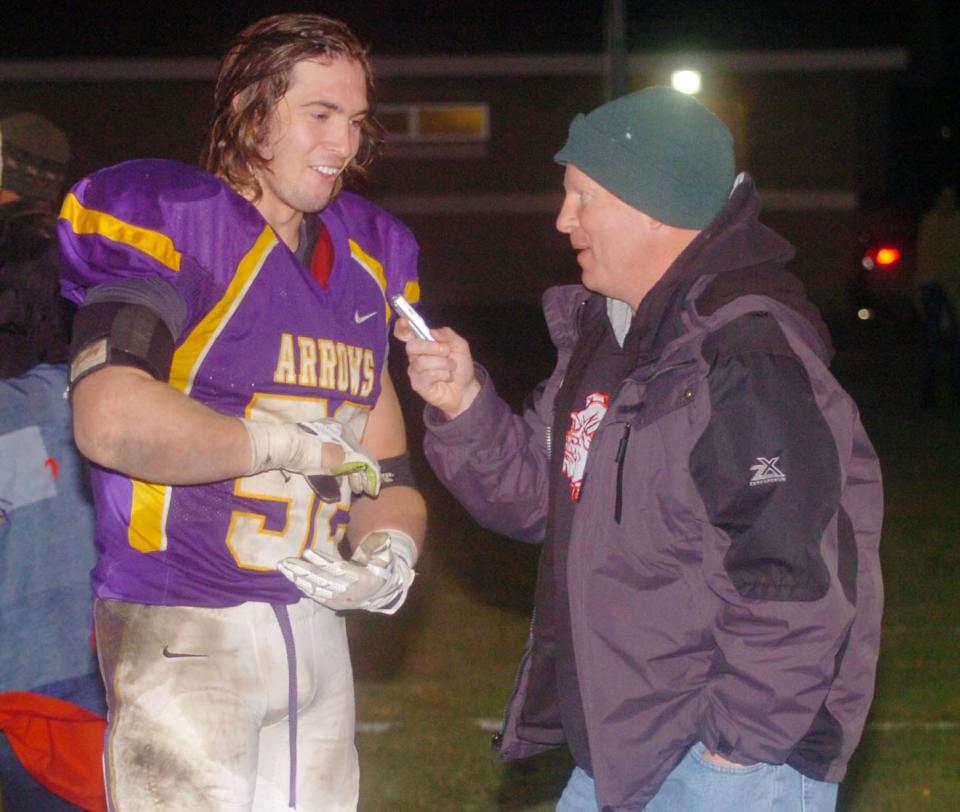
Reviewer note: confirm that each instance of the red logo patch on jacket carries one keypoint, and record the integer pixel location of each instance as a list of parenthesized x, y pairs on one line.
[(583, 425)]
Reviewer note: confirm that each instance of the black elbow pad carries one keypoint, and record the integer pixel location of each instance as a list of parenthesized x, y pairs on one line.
[(120, 334)]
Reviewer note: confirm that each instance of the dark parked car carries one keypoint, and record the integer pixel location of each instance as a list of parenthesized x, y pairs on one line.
[(881, 284)]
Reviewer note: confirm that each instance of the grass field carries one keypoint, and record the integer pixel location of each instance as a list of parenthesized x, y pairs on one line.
[(431, 680)]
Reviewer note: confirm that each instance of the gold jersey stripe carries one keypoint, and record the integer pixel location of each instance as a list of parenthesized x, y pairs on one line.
[(375, 269), (90, 221), (371, 265), (411, 292), (148, 511), (151, 502), (191, 353)]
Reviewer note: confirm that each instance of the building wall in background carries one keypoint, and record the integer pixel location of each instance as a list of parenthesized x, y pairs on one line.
[(810, 127)]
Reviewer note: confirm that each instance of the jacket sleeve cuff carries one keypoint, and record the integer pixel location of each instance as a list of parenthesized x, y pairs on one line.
[(479, 420)]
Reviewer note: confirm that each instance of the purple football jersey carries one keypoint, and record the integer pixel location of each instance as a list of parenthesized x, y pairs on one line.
[(263, 340)]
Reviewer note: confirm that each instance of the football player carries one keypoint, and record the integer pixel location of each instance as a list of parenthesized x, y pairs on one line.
[(229, 380)]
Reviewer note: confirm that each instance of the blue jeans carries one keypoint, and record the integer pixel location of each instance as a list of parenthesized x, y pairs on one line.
[(696, 784)]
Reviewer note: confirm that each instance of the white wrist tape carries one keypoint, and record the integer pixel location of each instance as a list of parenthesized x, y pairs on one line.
[(402, 545), (287, 446)]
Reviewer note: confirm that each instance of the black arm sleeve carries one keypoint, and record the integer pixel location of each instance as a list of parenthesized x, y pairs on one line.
[(130, 323), (154, 293)]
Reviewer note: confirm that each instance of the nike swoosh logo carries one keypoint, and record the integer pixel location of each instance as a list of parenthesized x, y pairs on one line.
[(175, 654), (361, 319)]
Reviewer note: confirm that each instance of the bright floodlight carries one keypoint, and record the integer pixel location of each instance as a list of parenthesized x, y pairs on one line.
[(686, 81)]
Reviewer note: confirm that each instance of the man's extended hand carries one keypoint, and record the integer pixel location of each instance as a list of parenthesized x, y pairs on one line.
[(376, 578), (440, 371)]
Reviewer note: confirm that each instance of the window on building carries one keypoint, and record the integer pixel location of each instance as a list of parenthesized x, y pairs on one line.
[(441, 122)]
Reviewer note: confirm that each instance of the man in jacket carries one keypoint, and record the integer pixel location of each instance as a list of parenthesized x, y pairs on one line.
[(46, 513), (34, 318), (938, 289), (708, 600)]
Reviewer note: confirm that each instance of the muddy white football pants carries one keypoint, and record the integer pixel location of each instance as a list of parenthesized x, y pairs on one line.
[(199, 708)]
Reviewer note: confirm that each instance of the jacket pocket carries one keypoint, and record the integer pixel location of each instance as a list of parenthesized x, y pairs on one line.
[(658, 396)]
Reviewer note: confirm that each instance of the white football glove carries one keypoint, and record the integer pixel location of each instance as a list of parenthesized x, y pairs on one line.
[(376, 577), (298, 448), (361, 470)]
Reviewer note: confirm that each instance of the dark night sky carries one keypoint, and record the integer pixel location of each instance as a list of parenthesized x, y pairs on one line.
[(926, 99), (143, 29)]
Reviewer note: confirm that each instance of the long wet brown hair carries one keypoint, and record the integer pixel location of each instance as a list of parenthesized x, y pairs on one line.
[(254, 76)]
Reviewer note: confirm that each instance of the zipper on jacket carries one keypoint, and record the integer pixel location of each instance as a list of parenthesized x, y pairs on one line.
[(663, 370), (496, 740), (620, 459), (621, 456)]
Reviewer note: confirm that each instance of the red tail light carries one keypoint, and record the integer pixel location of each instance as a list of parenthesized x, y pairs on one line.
[(888, 255), (883, 257)]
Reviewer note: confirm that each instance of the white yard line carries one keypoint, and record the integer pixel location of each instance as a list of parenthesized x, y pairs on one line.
[(893, 725), (493, 725)]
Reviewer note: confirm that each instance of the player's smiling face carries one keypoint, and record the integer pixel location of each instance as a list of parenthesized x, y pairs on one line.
[(312, 138)]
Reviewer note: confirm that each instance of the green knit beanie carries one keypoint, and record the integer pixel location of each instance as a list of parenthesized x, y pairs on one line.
[(658, 150)]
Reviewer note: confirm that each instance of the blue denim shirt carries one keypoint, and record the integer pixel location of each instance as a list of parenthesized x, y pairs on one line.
[(46, 535)]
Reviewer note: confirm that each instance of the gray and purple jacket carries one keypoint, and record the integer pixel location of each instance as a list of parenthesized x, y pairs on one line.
[(723, 570)]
